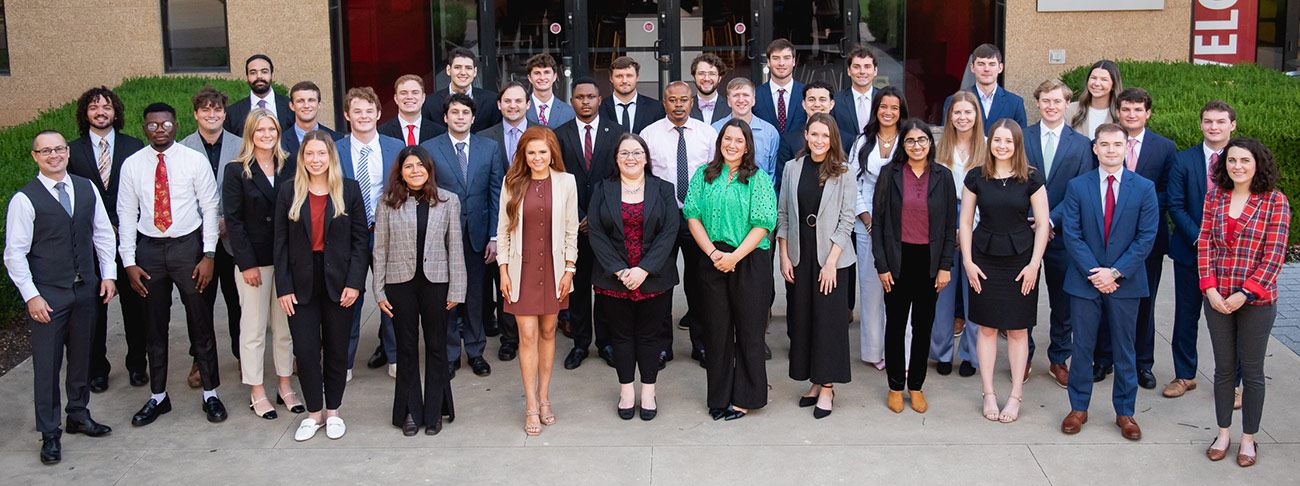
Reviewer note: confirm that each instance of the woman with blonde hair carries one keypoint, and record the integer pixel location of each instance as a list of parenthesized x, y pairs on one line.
[(1098, 101), (537, 244)]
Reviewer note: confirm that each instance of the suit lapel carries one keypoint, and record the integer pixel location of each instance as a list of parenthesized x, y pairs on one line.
[(1200, 170), (1098, 202), (1062, 148), (259, 180), (1125, 193), (449, 154)]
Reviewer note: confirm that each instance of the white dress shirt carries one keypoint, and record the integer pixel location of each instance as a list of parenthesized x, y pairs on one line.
[(595, 132), (374, 165), (538, 104), (1118, 174), (661, 137), (269, 99), (631, 110), (789, 92), (192, 190), (18, 236), (986, 101), (402, 121), (1042, 144), (708, 114), (1208, 152)]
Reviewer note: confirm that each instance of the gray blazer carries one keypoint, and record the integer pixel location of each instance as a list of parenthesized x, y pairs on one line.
[(835, 215), (394, 253), (230, 144)]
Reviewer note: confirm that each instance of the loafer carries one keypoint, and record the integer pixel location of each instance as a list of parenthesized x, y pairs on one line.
[(151, 410), (409, 428), (966, 369), (98, 384), (139, 378), (664, 357), (88, 427), (943, 368), (1215, 454), (334, 427), (433, 428), (379, 358), (574, 359), (1179, 387), (1073, 422), (480, 366), (508, 352), (491, 329), (306, 430), (1146, 379), (193, 379), (1099, 372), (51, 449), (607, 353), (1061, 373), (1128, 427), (564, 327), (215, 409), (452, 366)]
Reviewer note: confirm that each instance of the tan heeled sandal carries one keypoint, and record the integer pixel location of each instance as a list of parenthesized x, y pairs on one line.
[(1006, 419), (547, 418), (531, 430), (992, 414)]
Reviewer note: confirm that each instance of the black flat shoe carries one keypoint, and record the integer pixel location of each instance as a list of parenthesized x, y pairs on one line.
[(627, 413), (821, 413), (409, 428), (269, 415), (151, 410), (664, 358), (767, 352), (574, 360), (88, 427), (508, 352), (733, 414), (717, 413), (51, 450), (452, 366), (378, 359), (649, 414), (607, 353), (805, 402), (215, 409), (433, 428), (98, 384), (966, 369), (943, 368), (139, 378)]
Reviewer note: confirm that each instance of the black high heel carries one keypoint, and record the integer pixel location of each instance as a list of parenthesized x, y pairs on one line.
[(821, 413)]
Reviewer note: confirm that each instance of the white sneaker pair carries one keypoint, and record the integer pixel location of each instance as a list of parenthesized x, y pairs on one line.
[(334, 429)]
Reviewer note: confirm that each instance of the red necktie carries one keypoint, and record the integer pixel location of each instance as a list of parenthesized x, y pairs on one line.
[(780, 110), (586, 149), (410, 135), (162, 199), (1209, 172), (1110, 205), (541, 114)]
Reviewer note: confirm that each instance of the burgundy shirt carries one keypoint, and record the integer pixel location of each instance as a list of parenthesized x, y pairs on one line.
[(317, 221), (633, 222), (916, 211)]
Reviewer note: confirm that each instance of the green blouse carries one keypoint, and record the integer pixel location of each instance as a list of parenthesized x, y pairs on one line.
[(729, 209)]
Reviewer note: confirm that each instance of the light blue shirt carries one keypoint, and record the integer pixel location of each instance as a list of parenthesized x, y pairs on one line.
[(766, 142), (297, 130)]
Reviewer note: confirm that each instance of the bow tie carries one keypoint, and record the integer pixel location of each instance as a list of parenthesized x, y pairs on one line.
[(707, 105)]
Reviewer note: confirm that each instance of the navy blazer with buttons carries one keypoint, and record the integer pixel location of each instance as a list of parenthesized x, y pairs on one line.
[(289, 139), (249, 204), (1005, 105), (765, 106), (237, 114), (480, 195), (1073, 158), (1157, 157), (428, 129), (1132, 232), (1186, 190), (486, 113), (846, 115), (648, 110)]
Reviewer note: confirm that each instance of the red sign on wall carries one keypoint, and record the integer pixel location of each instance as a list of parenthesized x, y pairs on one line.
[(1223, 31)]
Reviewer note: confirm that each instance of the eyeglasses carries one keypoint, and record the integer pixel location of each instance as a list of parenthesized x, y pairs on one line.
[(46, 152), (622, 155), (916, 142), (153, 126)]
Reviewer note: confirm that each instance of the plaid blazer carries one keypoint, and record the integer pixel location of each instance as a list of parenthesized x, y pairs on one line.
[(1253, 258), (444, 257)]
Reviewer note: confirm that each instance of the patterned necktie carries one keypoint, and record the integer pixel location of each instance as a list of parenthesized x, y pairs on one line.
[(463, 158), (410, 135), (105, 161), (64, 199), (1131, 160), (514, 143), (1110, 206), (1209, 172), (681, 164), (362, 172), (541, 114), (627, 117), (780, 110), (162, 198), (586, 149), (1049, 154), (261, 104)]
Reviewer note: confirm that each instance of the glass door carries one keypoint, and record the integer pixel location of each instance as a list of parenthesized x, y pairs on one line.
[(725, 28), (824, 31)]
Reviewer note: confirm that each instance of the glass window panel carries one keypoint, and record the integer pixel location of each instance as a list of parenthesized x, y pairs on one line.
[(194, 36)]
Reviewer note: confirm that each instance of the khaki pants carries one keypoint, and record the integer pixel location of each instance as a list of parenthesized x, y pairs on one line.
[(260, 307)]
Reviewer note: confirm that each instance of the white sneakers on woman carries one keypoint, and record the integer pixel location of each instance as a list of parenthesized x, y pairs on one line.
[(334, 428)]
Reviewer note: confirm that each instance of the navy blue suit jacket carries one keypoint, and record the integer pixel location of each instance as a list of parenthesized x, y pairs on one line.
[(388, 146), (1005, 105), (1186, 191), (557, 113), (1073, 158), (289, 139), (765, 106), (1132, 232), (1157, 157), (480, 195), (846, 115)]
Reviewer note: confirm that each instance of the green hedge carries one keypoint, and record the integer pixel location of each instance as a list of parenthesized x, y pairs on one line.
[(136, 93), (1267, 104)]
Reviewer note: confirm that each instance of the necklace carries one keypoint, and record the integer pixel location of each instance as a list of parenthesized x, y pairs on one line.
[(888, 144), (634, 191)]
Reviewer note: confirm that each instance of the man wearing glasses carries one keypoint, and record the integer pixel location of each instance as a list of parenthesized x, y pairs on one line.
[(710, 106)]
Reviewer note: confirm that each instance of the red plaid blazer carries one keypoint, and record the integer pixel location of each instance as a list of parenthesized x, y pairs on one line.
[(1253, 258)]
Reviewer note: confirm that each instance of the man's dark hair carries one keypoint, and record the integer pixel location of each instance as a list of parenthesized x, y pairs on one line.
[(1219, 105), (542, 60), (585, 80), (511, 84), (304, 86), (712, 59), (159, 107), (779, 45), (861, 51), (819, 84), (624, 62), (90, 96), (461, 52), (56, 132), (985, 51), (461, 98), (209, 97), (262, 57), (1266, 171), (1135, 95)]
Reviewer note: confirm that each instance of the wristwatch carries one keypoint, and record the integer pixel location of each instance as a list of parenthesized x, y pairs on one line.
[(209, 254), (1114, 273)]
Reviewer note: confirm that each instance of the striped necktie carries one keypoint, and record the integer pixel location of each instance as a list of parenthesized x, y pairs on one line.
[(362, 171), (105, 161)]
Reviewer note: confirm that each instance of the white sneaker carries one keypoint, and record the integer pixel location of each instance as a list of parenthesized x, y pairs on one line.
[(306, 430), (334, 427), (349, 376), (392, 370)]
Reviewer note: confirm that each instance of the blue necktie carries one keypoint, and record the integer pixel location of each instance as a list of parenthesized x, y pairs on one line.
[(463, 158), (362, 170), (64, 199)]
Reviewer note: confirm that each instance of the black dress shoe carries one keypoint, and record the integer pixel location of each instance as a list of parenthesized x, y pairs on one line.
[(378, 359), (1146, 379), (698, 355), (89, 427), (966, 369), (574, 360), (507, 352), (649, 414), (480, 366), (491, 329), (717, 413), (664, 357), (215, 409), (139, 378), (451, 369), (1099, 372), (455, 364), (732, 414), (433, 428), (607, 353), (98, 384), (626, 413), (805, 402), (151, 410), (409, 428), (767, 352), (944, 368), (51, 449)]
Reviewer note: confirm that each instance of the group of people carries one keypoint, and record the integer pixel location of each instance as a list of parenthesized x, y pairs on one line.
[(515, 214)]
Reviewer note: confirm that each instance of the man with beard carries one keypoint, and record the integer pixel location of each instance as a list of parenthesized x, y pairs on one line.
[(98, 155), (627, 107), (259, 71), (708, 70)]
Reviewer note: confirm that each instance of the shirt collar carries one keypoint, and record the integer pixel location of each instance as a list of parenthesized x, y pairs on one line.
[(297, 130), (111, 137), (468, 92), (788, 87), (979, 92), (1119, 174), (506, 126), (1208, 151), (537, 103), (871, 90), (357, 143), (269, 98), (49, 183), (404, 123), (455, 141), (1141, 136), (582, 127), (1055, 131)]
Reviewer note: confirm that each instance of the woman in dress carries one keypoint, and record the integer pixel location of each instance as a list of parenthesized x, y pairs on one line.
[(1002, 257), (730, 207), (537, 244), (419, 275), (1099, 102), (814, 228)]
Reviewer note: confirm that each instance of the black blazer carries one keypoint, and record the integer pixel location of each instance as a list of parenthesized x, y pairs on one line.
[(887, 238), (237, 113), (648, 110), (603, 150), (347, 246), (428, 129), (660, 218), (81, 162), (289, 139), (486, 113), (250, 213)]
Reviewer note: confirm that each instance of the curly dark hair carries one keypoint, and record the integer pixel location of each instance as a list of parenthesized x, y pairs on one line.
[(94, 94), (1266, 171)]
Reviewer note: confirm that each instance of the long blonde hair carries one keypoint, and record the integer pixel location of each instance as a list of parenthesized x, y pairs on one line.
[(947, 146), (302, 179), (247, 147)]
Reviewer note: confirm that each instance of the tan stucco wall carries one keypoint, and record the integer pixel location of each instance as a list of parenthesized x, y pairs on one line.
[(60, 48), (1144, 35)]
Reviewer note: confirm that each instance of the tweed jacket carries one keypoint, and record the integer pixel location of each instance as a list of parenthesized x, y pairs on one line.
[(395, 238)]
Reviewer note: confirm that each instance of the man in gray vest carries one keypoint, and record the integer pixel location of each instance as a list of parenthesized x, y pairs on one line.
[(55, 216)]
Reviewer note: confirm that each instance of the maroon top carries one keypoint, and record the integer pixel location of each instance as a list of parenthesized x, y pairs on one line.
[(632, 221), (916, 210), (317, 221)]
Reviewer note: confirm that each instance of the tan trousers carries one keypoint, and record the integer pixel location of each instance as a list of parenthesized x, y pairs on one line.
[(259, 307)]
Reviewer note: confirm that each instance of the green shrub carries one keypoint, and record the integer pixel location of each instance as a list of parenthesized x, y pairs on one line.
[(136, 93), (1267, 104)]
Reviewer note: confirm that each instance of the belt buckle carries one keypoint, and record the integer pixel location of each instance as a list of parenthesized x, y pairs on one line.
[(810, 220)]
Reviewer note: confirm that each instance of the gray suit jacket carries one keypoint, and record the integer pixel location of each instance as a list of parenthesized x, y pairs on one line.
[(230, 144), (394, 254), (835, 215), (498, 133)]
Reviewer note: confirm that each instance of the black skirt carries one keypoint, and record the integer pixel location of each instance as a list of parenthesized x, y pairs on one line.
[(999, 304)]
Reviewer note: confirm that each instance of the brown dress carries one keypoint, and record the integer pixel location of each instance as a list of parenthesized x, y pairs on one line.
[(537, 277)]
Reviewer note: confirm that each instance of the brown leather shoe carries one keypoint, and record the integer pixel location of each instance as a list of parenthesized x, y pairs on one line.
[(895, 401), (1178, 387), (1128, 427), (1236, 400), (1247, 461), (193, 380), (1215, 454), (1073, 422), (918, 401), (1061, 373)]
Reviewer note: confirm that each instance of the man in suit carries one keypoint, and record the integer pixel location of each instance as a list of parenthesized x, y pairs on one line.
[(59, 253), (776, 99), (1188, 184), (367, 157), (411, 125), (98, 155), (259, 72), (853, 105), (1151, 156), (995, 103), (304, 101), (740, 104), (220, 147), (462, 67), (710, 105), (818, 97), (471, 167), (587, 144), (544, 108), (1109, 225), (1060, 154), (513, 102), (633, 110)]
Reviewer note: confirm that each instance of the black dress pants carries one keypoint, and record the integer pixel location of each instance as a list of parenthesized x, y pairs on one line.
[(223, 273), (135, 324), (636, 333), (321, 328), (420, 304), (581, 321), (692, 258), (171, 261), (733, 329), (913, 291), (71, 328)]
